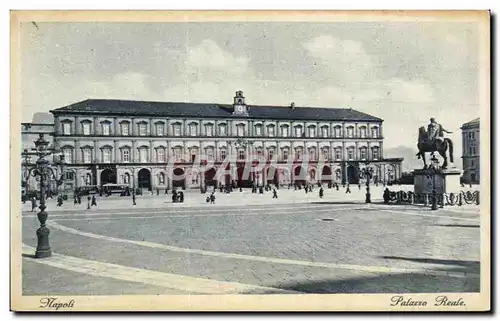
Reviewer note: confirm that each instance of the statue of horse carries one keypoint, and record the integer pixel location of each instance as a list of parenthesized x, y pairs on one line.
[(426, 146)]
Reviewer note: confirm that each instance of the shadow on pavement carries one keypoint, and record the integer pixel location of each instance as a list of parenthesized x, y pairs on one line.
[(388, 283), (459, 266), (31, 256), (457, 225)]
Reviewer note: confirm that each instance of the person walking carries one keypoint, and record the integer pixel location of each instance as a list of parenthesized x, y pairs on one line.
[(212, 198), (79, 199), (88, 202), (348, 189), (275, 193), (321, 191), (94, 201), (133, 198), (59, 201), (75, 200), (33, 203)]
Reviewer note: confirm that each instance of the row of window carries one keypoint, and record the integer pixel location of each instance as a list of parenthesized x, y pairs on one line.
[(193, 129), (178, 155)]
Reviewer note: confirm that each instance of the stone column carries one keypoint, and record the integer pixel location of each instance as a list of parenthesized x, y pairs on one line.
[(116, 151), (184, 129), (96, 128), (77, 126), (116, 127), (133, 159), (133, 130), (97, 154), (151, 152)]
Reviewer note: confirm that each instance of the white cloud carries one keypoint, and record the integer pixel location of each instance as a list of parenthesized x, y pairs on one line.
[(346, 58), (209, 55)]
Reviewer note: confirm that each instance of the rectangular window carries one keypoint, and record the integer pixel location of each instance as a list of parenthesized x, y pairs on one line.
[(362, 132), (222, 154), (338, 131), (159, 129), (325, 154), (125, 155), (68, 156), (143, 155), (222, 130), (66, 129), (177, 129), (284, 131), (298, 154), (241, 154), (298, 131), (209, 130), (105, 129), (258, 130), (193, 130), (338, 154), (374, 132), (240, 129), (312, 131), (324, 131), (125, 129), (177, 154), (143, 131), (285, 154), (362, 153), (375, 153), (350, 132), (87, 156), (350, 154), (270, 131), (106, 155), (160, 155), (86, 128)]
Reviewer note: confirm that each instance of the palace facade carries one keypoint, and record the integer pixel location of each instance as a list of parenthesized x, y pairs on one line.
[(153, 145)]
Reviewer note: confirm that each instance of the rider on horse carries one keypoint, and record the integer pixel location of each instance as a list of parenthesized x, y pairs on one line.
[(435, 132)]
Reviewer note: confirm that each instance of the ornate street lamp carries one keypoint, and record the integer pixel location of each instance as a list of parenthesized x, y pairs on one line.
[(44, 173), (367, 173)]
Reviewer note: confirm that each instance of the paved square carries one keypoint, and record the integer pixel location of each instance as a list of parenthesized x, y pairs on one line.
[(313, 246)]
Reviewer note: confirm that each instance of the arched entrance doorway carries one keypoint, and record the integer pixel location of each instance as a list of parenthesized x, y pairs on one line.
[(299, 175), (144, 179), (244, 177), (326, 174), (272, 176), (210, 177), (179, 179), (108, 176), (352, 174)]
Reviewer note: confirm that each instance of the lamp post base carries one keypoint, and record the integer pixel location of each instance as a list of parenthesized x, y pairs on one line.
[(43, 247), (368, 198)]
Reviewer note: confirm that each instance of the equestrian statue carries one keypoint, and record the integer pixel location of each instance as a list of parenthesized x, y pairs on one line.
[(432, 140)]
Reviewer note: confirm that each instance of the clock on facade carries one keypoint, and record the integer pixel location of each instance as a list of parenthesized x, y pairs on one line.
[(239, 109)]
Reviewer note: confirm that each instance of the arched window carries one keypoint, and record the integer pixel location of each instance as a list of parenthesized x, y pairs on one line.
[(222, 154), (350, 131), (338, 153), (258, 130), (298, 153), (87, 155), (209, 129), (311, 131), (86, 127), (143, 128), (125, 155), (143, 154), (337, 131), (193, 129), (374, 132), (298, 131), (66, 127), (194, 153), (160, 128), (363, 153), (324, 131), (285, 131), (312, 154), (326, 153), (105, 128), (350, 153), (285, 154), (176, 129), (106, 154), (222, 129), (125, 128), (240, 130), (362, 131), (160, 154), (271, 130), (375, 152)]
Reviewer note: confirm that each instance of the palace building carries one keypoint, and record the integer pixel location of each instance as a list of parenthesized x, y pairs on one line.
[(134, 143)]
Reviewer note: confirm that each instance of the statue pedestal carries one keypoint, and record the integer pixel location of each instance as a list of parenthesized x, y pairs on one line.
[(445, 181)]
